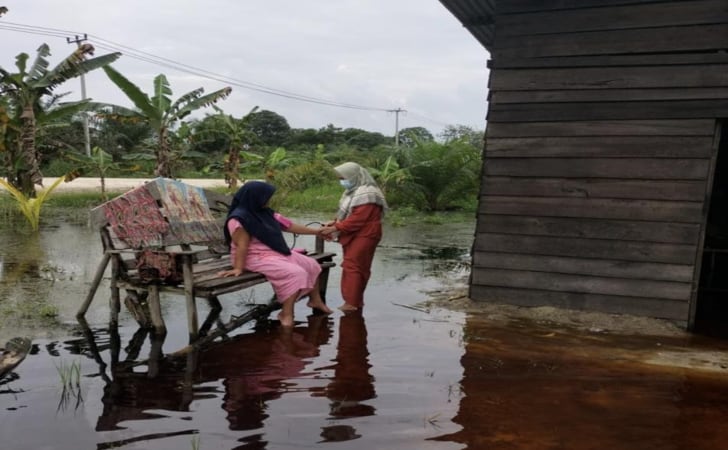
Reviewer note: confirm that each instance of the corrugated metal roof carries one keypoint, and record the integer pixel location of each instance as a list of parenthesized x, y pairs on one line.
[(475, 15)]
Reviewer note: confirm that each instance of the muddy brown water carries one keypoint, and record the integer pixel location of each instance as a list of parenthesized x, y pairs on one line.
[(399, 376)]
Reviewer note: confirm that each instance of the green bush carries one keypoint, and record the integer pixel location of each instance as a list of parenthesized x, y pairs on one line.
[(58, 167), (321, 198), (303, 176)]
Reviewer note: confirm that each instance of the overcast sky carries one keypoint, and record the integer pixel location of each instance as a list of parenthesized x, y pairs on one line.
[(386, 54)]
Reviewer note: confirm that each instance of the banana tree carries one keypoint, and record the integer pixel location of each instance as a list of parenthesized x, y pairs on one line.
[(24, 92), (100, 163), (161, 112), (240, 136)]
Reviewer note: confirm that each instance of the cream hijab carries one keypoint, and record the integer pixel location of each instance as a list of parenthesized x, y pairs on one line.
[(364, 189)]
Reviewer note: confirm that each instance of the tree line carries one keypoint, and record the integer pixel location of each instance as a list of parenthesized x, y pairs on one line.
[(42, 134)]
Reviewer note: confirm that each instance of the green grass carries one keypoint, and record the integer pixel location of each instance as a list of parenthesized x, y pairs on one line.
[(322, 199)]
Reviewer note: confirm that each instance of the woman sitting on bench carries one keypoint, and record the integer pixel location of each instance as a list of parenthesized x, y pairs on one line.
[(254, 233)]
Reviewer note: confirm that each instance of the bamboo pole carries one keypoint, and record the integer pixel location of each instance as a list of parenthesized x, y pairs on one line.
[(94, 285)]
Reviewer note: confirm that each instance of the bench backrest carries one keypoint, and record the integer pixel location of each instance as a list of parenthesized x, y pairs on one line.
[(161, 213)]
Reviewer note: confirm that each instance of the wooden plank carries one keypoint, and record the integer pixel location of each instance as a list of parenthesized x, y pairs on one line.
[(581, 283), (539, 112), (692, 191), (642, 40), (611, 146), (613, 17), (720, 141), (582, 266), (657, 59), (642, 306), (625, 230), (606, 95), (593, 208), (603, 128), (586, 248), (522, 6), (621, 168)]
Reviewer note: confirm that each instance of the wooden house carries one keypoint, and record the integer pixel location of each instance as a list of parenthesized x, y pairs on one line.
[(605, 176)]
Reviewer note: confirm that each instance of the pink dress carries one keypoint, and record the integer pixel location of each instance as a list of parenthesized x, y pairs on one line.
[(288, 274)]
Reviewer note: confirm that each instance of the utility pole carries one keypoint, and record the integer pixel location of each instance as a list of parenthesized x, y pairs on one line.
[(396, 124), (86, 136)]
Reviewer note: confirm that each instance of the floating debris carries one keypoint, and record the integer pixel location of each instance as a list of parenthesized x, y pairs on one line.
[(13, 354)]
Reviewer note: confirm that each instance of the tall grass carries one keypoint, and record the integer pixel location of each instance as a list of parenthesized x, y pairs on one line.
[(70, 376)]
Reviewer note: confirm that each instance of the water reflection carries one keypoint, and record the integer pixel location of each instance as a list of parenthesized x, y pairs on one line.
[(538, 385), (254, 369), (264, 370), (330, 379), (25, 276), (352, 383)]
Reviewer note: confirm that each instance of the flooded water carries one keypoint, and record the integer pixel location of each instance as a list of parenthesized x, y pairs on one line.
[(398, 376)]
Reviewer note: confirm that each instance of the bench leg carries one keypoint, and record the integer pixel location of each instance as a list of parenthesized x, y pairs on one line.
[(115, 301), (190, 297), (155, 310), (114, 346), (94, 285), (155, 355), (323, 282)]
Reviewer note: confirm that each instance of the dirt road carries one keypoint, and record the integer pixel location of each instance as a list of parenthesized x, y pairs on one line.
[(122, 184)]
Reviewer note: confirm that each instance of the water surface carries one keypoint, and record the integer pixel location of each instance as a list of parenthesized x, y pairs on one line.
[(399, 376)]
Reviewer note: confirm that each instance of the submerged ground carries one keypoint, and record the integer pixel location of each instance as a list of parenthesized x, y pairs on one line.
[(422, 368)]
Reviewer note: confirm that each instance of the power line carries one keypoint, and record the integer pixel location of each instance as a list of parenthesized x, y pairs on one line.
[(150, 58), (164, 62)]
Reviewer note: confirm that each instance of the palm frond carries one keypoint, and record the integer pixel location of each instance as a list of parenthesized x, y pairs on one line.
[(188, 97), (75, 65), (63, 110), (139, 98), (40, 66), (204, 101), (162, 91)]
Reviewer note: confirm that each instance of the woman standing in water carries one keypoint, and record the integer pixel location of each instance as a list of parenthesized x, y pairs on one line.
[(254, 233), (358, 226)]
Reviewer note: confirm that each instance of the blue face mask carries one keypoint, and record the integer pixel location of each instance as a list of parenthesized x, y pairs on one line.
[(346, 184)]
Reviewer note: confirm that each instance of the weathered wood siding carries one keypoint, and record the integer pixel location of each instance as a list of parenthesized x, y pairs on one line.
[(600, 147)]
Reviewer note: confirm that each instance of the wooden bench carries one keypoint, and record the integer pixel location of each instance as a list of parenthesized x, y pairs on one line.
[(166, 236)]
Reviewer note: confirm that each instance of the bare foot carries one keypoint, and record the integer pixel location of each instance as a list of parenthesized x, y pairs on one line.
[(347, 307), (286, 321), (321, 306)]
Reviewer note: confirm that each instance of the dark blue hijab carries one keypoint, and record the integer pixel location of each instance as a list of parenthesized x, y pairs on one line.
[(249, 208)]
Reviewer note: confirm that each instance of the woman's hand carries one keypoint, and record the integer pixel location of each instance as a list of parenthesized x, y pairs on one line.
[(329, 233), (327, 230), (230, 273)]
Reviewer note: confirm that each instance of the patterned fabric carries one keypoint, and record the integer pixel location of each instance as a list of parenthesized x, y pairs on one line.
[(153, 266), (181, 216), (135, 219), (187, 212)]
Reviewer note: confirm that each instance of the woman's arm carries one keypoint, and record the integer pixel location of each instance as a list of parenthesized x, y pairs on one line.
[(359, 217), (288, 225), (242, 240), (301, 229)]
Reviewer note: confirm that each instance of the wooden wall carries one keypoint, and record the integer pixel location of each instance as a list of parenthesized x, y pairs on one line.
[(602, 133)]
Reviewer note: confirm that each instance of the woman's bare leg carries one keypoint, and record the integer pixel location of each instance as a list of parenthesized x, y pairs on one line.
[(315, 300), (286, 314)]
